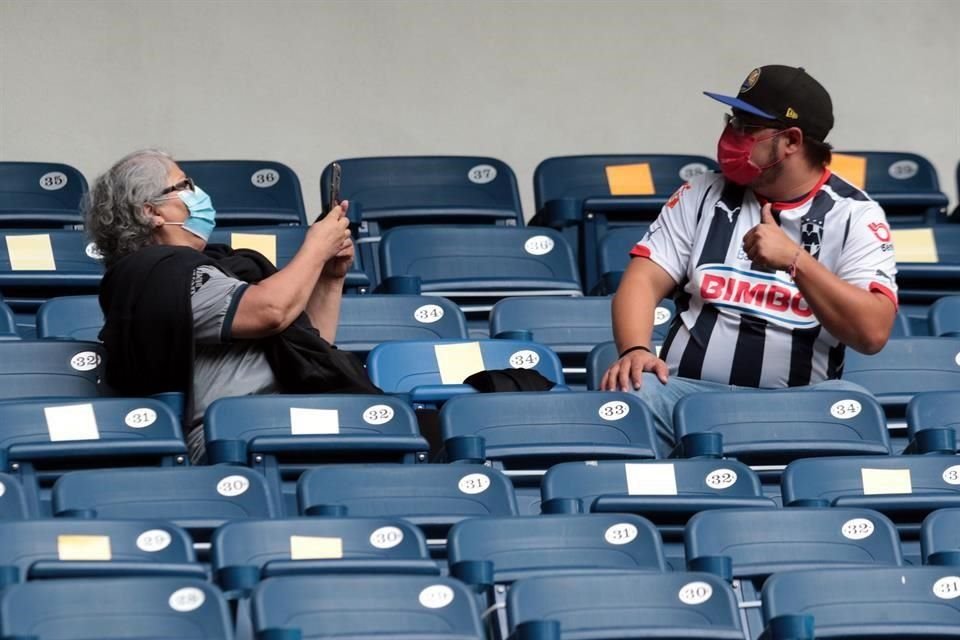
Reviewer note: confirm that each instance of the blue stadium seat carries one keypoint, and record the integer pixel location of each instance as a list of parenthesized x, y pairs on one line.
[(904, 184), (584, 196), (905, 367), (13, 500), (281, 435), (372, 606), (940, 537), (525, 433), (668, 493), (245, 552), (366, 321), (923, 283), (64, 548), (249, 191), (945, 317), (41, 439), (431, 496), (40, 195), (572, 327), (605, 354), (773, 427), (433, 370), (476, 266), (280, 244), (70, 318), (46, 368), (489, 554), (625, 605), (752, 544), (8, 323), (107, 609), (933, 422), (614, 256), (904, 488), (199, 499), (387, 192), (889, 602)]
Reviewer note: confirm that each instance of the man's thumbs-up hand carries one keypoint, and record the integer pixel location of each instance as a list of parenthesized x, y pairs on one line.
[(766, 244)]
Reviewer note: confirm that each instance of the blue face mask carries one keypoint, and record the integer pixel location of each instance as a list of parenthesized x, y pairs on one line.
[(203, 217)]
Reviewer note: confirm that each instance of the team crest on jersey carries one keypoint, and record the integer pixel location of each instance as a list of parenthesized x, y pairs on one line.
[(775, 299), (811, 235), (751, 81)]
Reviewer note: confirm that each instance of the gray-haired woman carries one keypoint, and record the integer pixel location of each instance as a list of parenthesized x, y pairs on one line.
[(208, 321)]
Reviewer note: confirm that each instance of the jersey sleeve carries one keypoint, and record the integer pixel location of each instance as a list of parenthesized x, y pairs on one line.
[(214, 297), (867, 259), (669, 240)]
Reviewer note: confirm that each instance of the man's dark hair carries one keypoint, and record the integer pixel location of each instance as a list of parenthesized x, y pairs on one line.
[(818, 153)]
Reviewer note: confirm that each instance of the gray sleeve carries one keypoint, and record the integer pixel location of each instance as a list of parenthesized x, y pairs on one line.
[(214, 297)]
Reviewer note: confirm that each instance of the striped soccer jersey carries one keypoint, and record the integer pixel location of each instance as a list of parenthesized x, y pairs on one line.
[(738, 323)]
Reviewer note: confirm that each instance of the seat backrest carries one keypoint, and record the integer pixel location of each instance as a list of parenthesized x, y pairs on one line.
[(8, 323), (391, 191), (47, 368), (774, 426), (598, 361), (876, 602), (40, 194), (565, 324), (68, 548), (48, 257), (662, 491), (934, 410), (366, 321), (153, 607), (249, 191), (457, 257), (196, 498), (537, 428), (332, 428), (525, 546), (674, 605), (13, 501), (94, 432), (905, 488), (615, 248), (70, 318), (401, 366), (640, 182), (940, 532), (427, 495), (904, 184), (944, 317), (764, 541), (368, 606), (906, 366), (243, 552)]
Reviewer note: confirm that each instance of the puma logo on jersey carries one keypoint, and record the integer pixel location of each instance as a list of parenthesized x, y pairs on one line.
[(722, 205)]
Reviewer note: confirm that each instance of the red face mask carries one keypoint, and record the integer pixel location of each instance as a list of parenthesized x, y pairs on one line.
[(733, 155)]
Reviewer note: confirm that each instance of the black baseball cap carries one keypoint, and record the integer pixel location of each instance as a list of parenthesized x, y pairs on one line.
[(788, 95)]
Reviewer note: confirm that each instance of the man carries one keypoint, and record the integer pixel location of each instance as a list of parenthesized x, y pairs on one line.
[(777, 263)]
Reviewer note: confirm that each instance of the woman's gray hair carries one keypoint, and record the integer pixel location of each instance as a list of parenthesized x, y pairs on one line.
[(114, 213)]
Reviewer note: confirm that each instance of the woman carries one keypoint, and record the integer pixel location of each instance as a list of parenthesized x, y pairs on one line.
[(208, 321)]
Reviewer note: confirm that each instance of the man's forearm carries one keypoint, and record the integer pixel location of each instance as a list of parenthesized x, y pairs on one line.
[(323, 306), (858, 318)]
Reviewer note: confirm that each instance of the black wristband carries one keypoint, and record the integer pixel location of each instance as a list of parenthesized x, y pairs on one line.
[(639, 347)]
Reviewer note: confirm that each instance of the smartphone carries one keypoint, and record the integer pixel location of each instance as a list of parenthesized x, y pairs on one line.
[(333, 196)]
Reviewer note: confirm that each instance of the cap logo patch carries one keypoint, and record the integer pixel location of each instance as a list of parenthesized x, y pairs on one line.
[(793, 115), (751, 81)]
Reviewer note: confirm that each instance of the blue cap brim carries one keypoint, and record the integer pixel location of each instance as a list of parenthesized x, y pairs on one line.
[(737, 103)]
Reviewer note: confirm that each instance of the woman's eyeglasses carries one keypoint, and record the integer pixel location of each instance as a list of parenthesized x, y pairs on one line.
[(184, 185)]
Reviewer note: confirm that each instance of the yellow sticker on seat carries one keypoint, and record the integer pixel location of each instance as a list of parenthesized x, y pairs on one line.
[(630, 180), (315, 548), (914, 245), (31, 253), (853, 169), (885, 481), (88, 548), (265, 243), (458, 361)]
